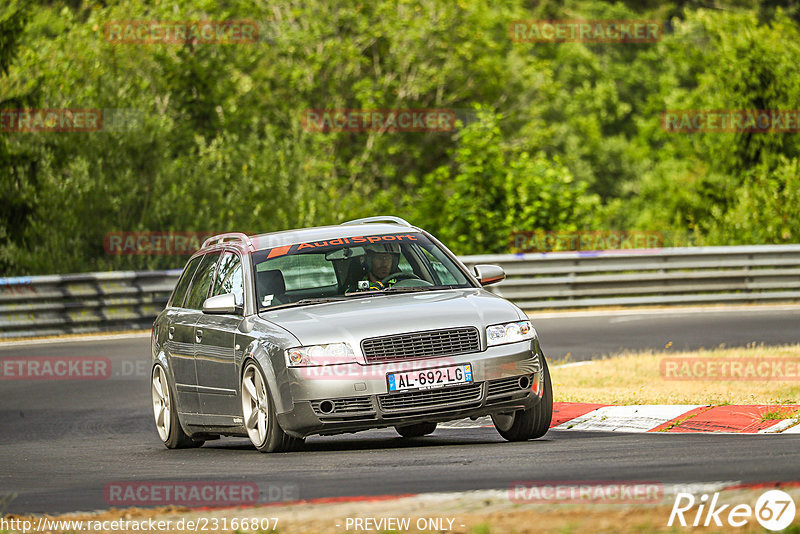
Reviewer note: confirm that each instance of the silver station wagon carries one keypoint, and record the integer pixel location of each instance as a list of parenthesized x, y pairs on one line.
[(372, 323)]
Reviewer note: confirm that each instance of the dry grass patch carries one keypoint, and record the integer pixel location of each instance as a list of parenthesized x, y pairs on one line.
[(480, 512), (639, 378)]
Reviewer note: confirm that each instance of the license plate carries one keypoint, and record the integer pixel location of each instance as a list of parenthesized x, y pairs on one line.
[(430, 378)]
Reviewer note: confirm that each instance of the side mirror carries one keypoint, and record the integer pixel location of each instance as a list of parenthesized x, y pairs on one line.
[(489, 274), (221, 304)]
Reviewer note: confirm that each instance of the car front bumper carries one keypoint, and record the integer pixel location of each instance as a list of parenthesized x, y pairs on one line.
[(505, 378)]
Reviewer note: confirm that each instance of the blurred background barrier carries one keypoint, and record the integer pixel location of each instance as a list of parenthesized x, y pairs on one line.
[(113, 301), (653, 277), (77, 303)]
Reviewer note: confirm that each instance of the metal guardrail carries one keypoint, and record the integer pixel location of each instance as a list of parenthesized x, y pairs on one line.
[(77, 303), (668, 276)]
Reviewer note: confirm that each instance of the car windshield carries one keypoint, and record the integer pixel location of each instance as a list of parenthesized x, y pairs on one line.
[(352, 267)]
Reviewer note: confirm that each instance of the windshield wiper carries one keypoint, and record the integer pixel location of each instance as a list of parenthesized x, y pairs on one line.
[(358, 294), (373, 292), (411, 289), (303, 302), (404, 289), (318, 300)]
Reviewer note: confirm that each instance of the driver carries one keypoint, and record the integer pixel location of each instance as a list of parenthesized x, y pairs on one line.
[(382, 260)]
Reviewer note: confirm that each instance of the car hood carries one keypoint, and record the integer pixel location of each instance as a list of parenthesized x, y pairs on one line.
[(365, 317)]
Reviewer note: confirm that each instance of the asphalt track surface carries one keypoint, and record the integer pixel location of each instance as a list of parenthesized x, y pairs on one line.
[(62, 442)]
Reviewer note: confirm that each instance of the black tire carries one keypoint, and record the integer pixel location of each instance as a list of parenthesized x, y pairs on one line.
[(531, 423), (176, 438), (416, 431), (275, 439)]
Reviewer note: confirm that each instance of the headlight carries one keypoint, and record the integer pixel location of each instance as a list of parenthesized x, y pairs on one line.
[(329, 354), (500, 334)]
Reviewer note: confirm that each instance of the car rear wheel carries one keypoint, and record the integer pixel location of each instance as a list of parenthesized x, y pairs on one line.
[(166, 416), (259, 414), (416, 431), (532, 423)]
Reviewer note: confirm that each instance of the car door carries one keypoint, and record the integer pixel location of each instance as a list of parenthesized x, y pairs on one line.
[(185, 335), (179, 343), (217, 353)]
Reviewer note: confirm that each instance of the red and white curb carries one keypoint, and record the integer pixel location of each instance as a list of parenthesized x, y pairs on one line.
[(679, 418), (665, 418)]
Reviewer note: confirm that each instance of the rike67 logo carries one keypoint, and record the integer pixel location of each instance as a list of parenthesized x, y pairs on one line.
[(774, 510)]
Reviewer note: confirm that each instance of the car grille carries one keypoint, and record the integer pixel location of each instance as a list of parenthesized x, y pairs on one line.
[(432, 398), (345, 406), (421, 344)]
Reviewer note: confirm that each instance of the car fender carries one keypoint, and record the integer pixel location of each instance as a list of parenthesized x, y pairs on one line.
[(265, 354)]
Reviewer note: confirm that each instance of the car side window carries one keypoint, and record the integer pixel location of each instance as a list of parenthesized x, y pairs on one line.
[(202, 281), (179, 293), (229, 277)]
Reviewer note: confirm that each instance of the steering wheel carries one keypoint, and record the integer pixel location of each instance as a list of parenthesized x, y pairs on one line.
[(399, 275)]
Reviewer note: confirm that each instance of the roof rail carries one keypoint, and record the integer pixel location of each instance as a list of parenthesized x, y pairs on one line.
[(231, 236), (379, 218)]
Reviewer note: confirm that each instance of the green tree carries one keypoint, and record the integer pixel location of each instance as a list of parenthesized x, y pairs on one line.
[(492, 190)]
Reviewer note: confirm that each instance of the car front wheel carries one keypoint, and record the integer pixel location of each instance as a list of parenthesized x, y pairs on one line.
[(259, 414), (532, 423)]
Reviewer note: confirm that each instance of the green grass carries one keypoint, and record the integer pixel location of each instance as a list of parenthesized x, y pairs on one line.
[(636, 378), (778, 415)]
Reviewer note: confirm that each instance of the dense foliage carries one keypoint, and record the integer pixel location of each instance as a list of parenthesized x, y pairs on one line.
[(210, 137)]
